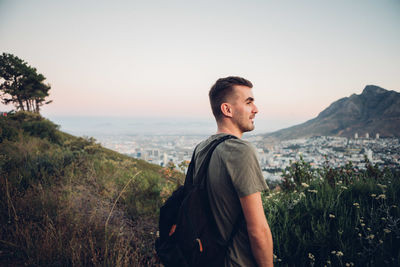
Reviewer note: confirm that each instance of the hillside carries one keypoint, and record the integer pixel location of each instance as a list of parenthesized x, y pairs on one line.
[(375, 110), (67, 201)]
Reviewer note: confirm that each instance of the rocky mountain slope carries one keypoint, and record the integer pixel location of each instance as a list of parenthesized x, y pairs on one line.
[(375, 110)]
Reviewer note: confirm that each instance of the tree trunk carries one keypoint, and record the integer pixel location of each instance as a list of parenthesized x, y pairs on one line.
[(37, 108), (21, 104), (31, 105), (28, 108)]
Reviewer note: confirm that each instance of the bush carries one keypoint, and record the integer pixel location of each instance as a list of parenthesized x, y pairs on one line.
[(31, 123), (143, 195), (339, 217), (7, 130), (43, 129)]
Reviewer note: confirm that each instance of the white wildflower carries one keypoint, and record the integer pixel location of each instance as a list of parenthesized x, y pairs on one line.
[(383, 196), (311, 256), (305, 185), (339, 254)]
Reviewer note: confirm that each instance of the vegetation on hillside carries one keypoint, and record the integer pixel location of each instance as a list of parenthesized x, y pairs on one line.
[(68, 201), (335, 217)]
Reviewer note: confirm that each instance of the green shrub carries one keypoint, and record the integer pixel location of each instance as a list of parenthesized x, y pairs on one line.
[(143, 195), (43, 129), (299, 172), (32, 124), (8, 131), (340, 216), (22, 116)]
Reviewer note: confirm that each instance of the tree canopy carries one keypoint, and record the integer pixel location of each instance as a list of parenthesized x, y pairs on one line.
[(21, 84)]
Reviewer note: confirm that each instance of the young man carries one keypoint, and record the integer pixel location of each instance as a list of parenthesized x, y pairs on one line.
[(235, 178)]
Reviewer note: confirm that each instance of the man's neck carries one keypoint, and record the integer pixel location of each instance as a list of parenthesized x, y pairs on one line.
[(229, 130)]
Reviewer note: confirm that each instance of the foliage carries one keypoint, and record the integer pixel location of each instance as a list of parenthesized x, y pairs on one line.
[(57, 194), (299, 172), (338, 217), (29, 124), (21, 85), (7, 131), (172, 178)]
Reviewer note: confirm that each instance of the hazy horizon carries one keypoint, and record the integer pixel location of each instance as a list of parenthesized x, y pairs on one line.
[(129, 125)]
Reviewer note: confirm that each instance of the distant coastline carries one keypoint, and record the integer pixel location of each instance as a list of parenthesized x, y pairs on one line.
[(94, 126), (108, 126)]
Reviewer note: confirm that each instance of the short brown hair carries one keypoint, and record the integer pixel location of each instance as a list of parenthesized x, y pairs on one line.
[(222, 88)]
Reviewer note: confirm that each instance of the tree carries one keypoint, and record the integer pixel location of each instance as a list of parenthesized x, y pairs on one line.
[(21, 85)]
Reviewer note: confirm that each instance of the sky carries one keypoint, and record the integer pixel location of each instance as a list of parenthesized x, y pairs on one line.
[(159, 58)]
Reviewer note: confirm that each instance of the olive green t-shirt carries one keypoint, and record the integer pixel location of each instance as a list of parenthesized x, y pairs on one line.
[(234, 172)]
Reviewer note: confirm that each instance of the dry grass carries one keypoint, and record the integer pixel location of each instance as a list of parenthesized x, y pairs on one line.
[(73, 226), (75, 204)]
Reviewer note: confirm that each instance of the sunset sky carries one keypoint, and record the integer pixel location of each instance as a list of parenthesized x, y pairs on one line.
[(159, 58)]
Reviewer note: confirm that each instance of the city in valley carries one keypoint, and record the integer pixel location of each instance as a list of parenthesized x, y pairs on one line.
[(273, 158)]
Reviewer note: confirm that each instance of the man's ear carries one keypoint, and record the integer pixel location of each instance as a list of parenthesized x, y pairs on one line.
[(226, 109)]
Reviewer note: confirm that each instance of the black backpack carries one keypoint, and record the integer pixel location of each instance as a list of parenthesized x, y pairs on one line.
[(188, 232)]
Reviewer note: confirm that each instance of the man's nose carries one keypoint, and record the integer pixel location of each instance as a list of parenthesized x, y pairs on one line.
[(255, 110)]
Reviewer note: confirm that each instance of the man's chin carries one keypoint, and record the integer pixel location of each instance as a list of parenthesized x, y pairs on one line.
[(252, 126), (249, 129)]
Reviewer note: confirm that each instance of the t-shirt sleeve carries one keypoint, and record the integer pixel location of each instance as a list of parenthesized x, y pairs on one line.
[(244, 169)]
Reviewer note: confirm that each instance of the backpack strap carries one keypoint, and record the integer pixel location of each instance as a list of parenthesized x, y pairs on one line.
[(190, 171), (203, 171), (204, 165), (203, 174)]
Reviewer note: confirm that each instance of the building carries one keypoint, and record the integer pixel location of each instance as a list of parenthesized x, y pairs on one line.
[(369, 155)]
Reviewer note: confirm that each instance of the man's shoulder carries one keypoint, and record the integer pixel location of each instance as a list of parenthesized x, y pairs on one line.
[(237, 146)]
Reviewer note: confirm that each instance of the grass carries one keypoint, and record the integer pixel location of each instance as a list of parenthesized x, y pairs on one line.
[(68, 201)]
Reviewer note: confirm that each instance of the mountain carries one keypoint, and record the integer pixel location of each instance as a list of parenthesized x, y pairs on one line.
[(375, 110)]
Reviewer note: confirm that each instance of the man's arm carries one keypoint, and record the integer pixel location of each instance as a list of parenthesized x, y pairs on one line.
[(258, 229)]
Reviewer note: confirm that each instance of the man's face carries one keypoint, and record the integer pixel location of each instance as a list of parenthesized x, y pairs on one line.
[(243, 108)]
